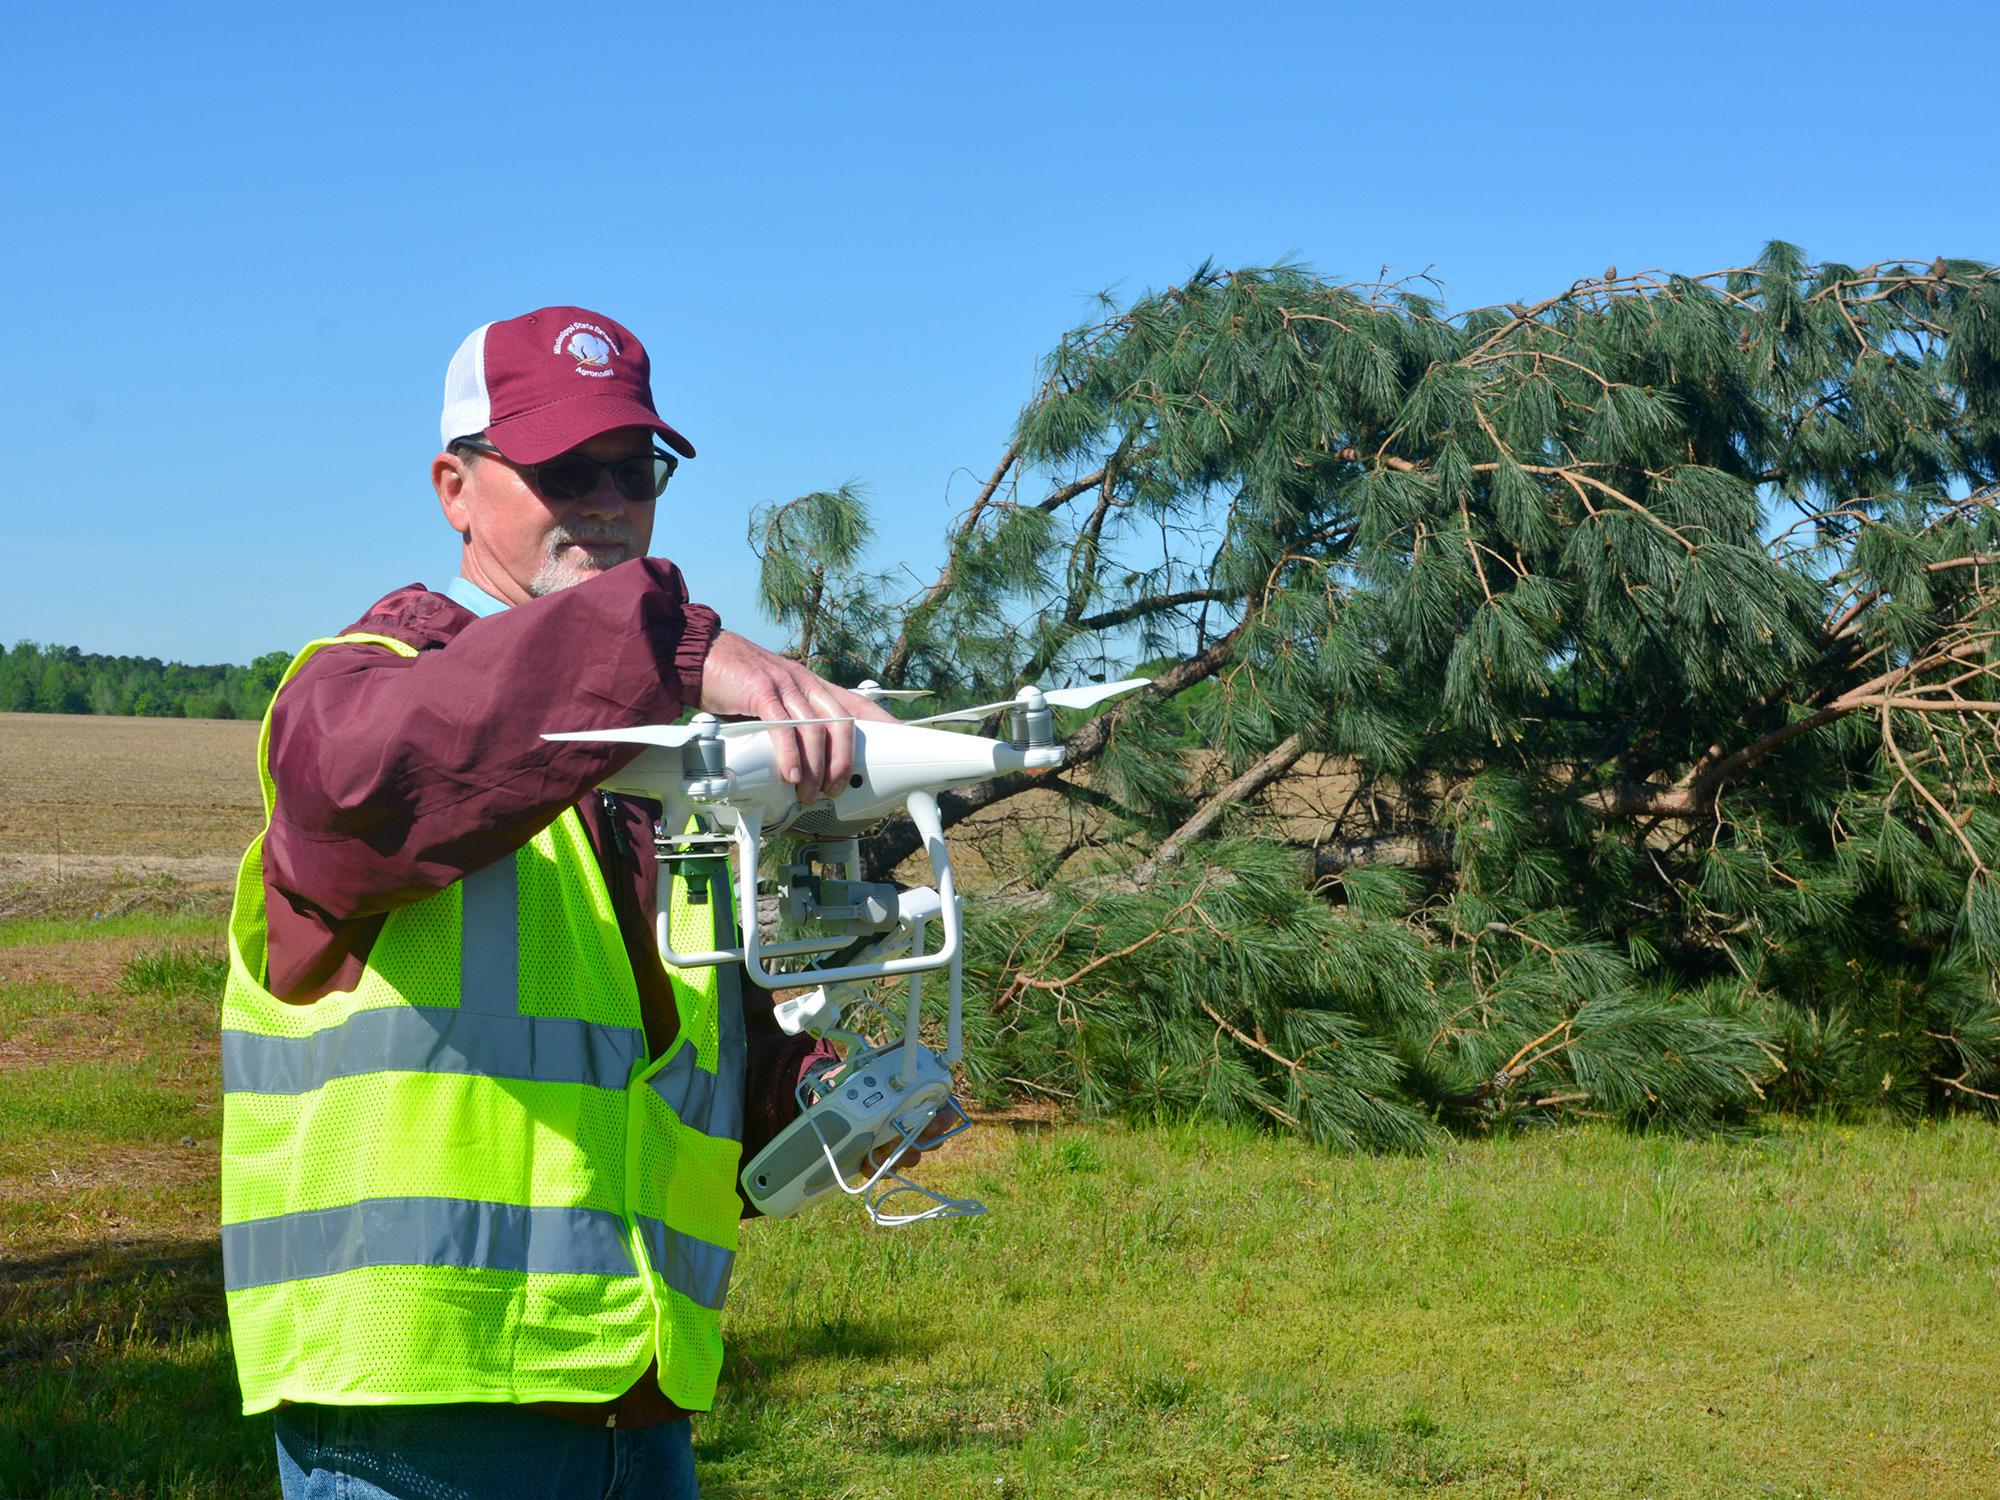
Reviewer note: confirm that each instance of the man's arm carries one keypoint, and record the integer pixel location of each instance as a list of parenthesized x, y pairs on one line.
[(397, 776)]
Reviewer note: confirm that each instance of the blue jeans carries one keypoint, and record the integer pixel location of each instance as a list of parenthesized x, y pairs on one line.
[(473, 1452)]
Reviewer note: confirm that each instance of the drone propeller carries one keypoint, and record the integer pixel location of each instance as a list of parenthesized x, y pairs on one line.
[(1076, 697), (674, 735), (875, 692)]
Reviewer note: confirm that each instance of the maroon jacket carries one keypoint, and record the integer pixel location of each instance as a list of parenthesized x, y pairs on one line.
[(397, 776)]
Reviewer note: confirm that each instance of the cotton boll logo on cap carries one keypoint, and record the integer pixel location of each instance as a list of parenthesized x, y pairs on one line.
[(590, 346)]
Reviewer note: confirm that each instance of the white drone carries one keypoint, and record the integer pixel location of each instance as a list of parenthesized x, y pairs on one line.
[(862, 1116)]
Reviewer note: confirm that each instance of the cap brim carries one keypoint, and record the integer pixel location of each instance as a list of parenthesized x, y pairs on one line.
[(537, 436)]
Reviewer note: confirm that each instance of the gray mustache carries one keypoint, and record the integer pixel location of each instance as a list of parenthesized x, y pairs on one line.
[(590, 531)]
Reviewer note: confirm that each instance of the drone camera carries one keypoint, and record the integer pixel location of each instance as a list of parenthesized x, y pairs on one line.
[(839, 899), (856, 905), (866, 904)]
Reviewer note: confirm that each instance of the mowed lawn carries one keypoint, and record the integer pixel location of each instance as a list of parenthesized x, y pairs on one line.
[(1812, 1310)]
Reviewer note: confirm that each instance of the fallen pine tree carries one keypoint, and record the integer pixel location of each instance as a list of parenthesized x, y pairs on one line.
[(1657, 619)]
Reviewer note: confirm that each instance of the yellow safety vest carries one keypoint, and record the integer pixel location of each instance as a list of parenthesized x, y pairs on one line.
[(464, 1180)]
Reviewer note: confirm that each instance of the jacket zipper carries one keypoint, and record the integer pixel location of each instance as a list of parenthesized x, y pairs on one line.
[(617, 824)]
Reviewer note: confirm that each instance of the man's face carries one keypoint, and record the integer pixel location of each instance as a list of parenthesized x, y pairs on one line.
[(519, 544)]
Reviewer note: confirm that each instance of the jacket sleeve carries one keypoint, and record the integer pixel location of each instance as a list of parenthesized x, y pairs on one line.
[(397, 776)]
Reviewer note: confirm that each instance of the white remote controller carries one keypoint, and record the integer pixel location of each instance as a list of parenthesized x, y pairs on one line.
[(861, 1104)]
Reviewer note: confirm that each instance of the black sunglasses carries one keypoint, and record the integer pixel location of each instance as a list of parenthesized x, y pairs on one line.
[(639, 479)]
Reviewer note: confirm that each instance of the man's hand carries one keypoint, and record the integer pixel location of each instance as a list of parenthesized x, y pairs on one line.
[(941, 1124), (742, 678)]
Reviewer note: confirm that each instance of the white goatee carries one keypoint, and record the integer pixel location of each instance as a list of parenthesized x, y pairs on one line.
[(564, 568)]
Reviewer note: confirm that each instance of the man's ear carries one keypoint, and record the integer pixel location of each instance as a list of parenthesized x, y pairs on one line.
[(450, 480)]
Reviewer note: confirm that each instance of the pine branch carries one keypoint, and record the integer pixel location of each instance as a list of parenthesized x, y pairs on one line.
[(1576, 479), (1517, 1066), (1279, 760), (1057, 498), (1910, 778), (1024, 981), (1083, 562), (1290, 1064), (1537, 668), (1138, 608), (1387, 461)]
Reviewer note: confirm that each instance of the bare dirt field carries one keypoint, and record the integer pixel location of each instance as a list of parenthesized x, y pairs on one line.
[(92, 788), (101, 815)]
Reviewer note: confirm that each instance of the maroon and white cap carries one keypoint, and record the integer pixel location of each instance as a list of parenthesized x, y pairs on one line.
[(540, 384)]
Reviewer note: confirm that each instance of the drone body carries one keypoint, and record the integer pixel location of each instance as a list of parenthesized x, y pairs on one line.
[(891, 762), (720, 782)]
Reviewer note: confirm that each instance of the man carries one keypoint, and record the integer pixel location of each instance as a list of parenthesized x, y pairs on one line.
[(479, 1155)]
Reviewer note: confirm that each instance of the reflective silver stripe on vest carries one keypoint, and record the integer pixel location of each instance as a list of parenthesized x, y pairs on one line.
[(709, 1102), (433, 1039), (485, 1033), (489, 941), (424, 1232), (696, 1269)]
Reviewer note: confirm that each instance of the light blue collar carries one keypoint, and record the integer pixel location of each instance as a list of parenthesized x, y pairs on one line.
[(475, 598)]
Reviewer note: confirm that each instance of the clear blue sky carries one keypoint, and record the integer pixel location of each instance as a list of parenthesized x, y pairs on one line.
[(241, 242)]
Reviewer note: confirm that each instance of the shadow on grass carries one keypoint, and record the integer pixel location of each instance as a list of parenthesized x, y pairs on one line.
[(70, 1299), (118, 1378), (948, 1433), (749, 1363)]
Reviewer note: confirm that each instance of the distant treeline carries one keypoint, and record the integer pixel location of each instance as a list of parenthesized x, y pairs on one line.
[(63, 680)]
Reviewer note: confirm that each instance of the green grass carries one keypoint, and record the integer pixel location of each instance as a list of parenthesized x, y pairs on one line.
[(1809, 1311), (193, 927), (1194, 1311), (129, 1067), (180, 969)]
